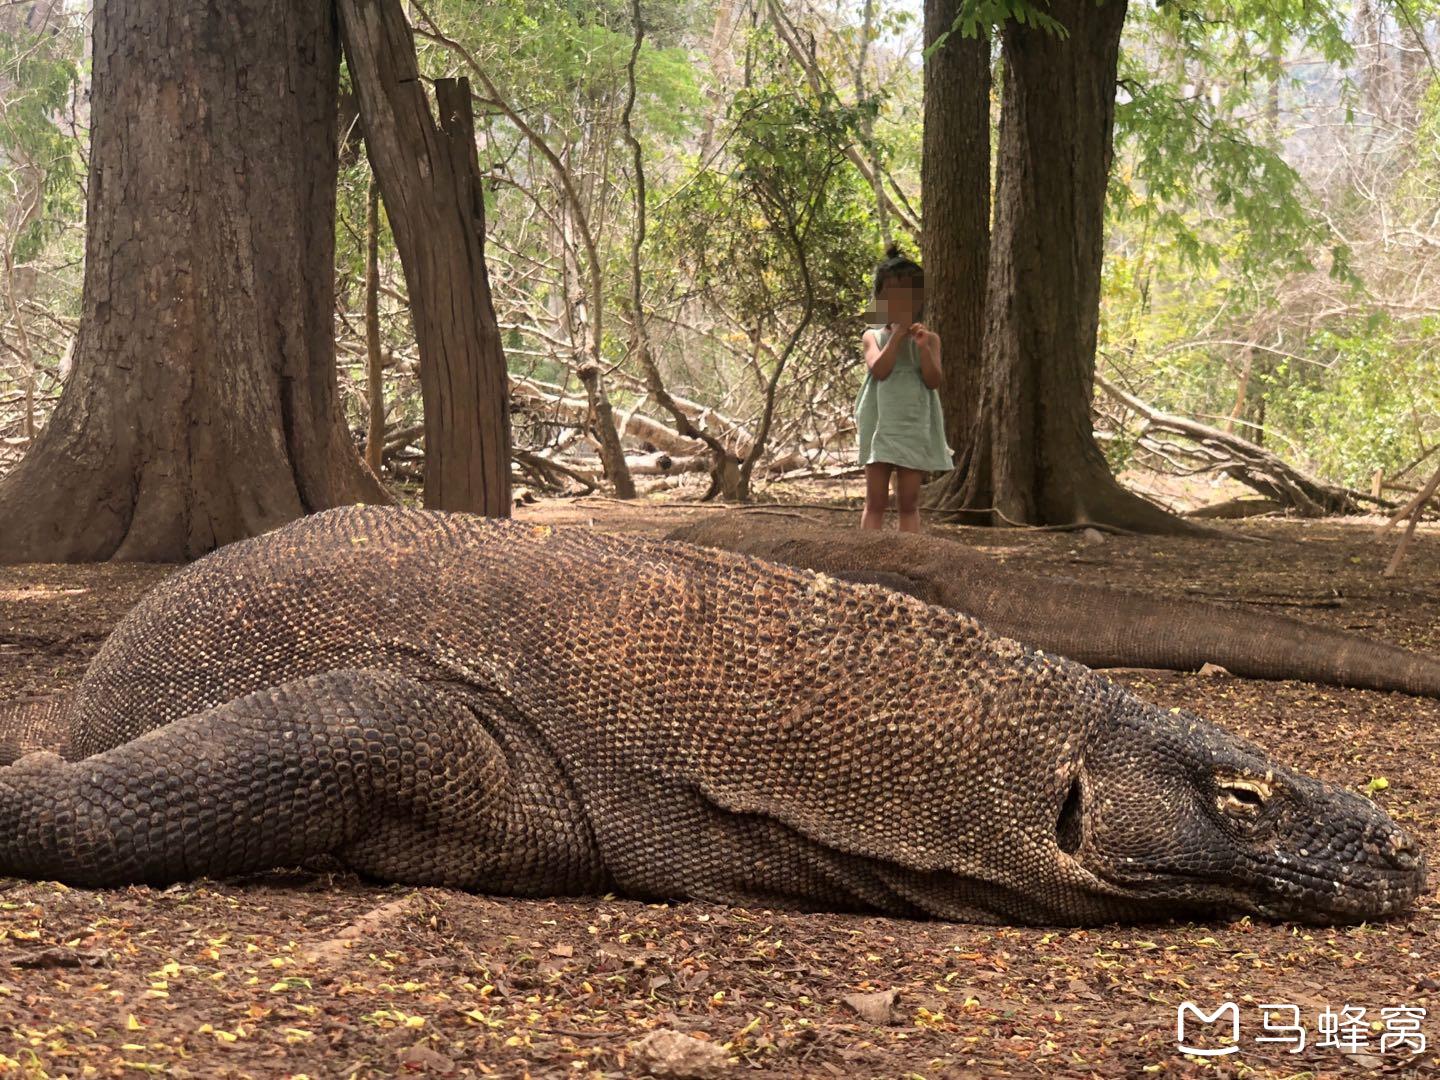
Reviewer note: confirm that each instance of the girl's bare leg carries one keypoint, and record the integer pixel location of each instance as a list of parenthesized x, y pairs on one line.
[(877, 495), (907, 490)]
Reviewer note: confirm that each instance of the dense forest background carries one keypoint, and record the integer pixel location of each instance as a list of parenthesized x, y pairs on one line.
[(1273, 228)]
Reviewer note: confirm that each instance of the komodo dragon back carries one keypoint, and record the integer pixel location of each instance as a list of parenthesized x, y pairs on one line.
[(529, 710), (1093, 624)]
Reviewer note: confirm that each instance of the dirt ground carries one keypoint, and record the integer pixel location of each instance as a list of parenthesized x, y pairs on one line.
[(317, 974)]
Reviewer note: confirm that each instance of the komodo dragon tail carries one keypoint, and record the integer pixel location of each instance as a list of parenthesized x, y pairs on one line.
[(1098, 626)]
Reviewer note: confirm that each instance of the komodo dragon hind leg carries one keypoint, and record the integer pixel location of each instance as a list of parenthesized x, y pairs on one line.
[(398, 778), (33, 724)]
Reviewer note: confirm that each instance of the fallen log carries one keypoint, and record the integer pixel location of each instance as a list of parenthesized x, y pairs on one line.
[(662, 464), (399, 439), (551, 471), (575, 410), (733, 435), (693, 453), (1098, 626)]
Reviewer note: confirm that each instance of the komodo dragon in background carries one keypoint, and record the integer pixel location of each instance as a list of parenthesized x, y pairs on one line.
[(529, 710), (1092, 624)]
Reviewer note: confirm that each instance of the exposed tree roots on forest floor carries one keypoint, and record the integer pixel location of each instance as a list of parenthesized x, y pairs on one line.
[(308, 973)]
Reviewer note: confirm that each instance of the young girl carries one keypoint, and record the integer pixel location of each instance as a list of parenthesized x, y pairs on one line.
[(898, 411)]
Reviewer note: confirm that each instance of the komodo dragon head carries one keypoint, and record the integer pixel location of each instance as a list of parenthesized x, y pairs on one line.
[(1167, 805)]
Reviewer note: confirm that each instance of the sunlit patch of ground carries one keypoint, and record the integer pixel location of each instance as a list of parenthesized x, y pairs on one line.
[(39, 592)]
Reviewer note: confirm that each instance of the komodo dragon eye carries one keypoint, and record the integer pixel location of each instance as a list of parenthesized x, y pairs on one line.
[(1242, 798)]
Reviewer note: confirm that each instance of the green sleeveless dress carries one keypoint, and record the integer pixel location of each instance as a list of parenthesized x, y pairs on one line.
[(898, 417)]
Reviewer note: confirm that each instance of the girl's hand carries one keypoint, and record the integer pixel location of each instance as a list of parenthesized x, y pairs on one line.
[(929, 345)]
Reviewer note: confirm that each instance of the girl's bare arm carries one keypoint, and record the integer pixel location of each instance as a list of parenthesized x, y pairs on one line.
[(929, 343), (882, 361)]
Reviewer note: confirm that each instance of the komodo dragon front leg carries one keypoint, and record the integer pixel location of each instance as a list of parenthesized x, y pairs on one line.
[(397, 778)]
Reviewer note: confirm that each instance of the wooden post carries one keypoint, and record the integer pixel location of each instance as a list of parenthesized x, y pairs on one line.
[(430, 181)]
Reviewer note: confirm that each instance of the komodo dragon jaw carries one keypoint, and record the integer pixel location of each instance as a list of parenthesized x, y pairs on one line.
[(1240, 832), (443, 699)]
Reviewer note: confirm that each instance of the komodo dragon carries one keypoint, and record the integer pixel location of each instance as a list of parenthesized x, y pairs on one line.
[(1093, 624), (528, 710)]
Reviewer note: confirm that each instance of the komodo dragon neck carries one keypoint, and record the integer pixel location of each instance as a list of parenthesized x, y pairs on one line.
[(442, 698)]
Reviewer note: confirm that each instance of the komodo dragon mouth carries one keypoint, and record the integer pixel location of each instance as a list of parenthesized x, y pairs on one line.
[(525, 710)]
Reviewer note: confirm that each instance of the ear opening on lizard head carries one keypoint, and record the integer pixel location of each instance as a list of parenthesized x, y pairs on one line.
[(1069, 827)]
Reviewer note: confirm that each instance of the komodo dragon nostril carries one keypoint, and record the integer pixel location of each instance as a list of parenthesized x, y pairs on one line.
[(1401, 850)]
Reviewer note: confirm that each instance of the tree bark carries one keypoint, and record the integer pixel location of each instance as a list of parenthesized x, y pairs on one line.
[(374, 356), (955, 188), (1032, 457), (602, 419), (576, 200), (430, 181), (202, 406)]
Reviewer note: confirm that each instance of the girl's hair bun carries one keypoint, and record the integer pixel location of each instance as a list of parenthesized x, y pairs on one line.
[(893, 250)]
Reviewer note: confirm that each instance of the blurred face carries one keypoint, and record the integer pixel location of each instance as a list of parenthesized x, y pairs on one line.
[(899, 301)]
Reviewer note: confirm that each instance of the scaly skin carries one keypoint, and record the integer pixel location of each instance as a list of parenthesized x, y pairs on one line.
[(438, 698), (1095, 625)]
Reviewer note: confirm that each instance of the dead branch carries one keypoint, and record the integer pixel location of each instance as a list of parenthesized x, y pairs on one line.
[(1252, 465), (551, 470), (1411, 510)]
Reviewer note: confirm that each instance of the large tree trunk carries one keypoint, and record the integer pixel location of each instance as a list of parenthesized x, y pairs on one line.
[(955, 186), (430, 182), (202, 407), (1031, 457)]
